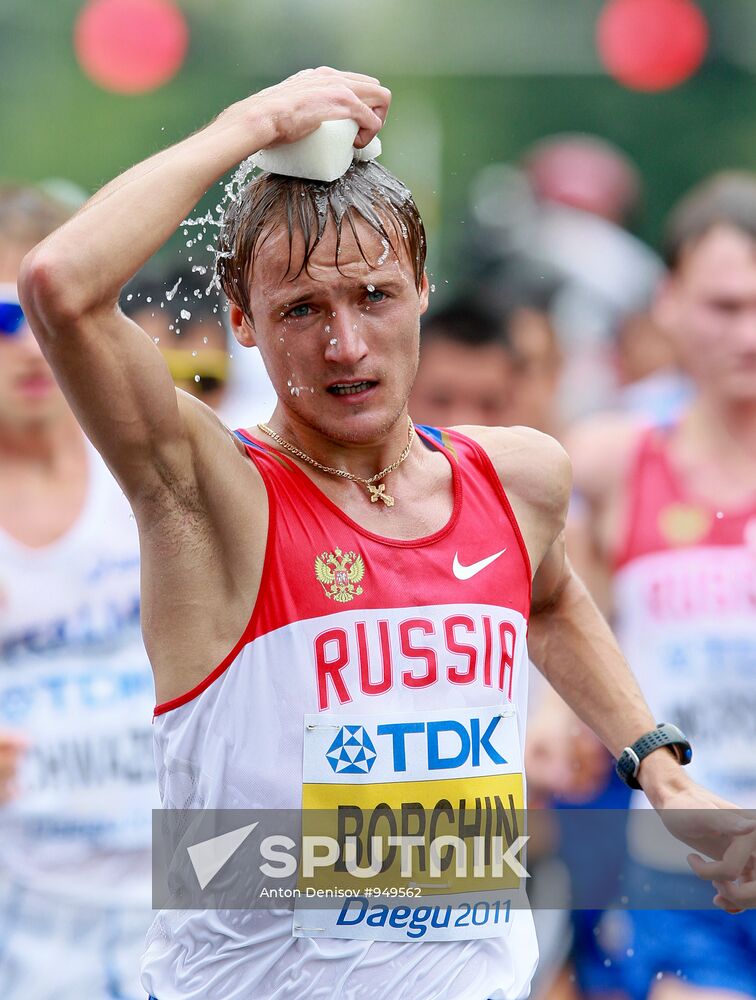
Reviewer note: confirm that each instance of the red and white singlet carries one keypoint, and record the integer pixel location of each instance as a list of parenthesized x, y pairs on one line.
[(419, 647), (685, 594)]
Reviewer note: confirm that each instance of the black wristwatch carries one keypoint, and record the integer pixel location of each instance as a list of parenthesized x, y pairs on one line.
[(665, 735)]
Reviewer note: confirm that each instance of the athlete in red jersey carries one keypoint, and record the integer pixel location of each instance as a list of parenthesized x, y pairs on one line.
[(673, 521), (334, 310)]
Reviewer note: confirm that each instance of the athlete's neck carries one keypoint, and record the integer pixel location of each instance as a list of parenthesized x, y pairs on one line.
[(721, 436), (361, 458)]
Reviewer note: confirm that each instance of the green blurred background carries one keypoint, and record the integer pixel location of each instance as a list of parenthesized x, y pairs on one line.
[(473, 84)]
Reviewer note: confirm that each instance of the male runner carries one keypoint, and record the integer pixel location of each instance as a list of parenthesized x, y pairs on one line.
[(75, 683), (467, 366), (282, 601), (673, 513)]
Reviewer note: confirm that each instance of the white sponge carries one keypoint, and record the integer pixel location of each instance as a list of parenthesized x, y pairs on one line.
[(324, 155)]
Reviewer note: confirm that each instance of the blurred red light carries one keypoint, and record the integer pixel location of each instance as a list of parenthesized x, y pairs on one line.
[(651, 44), (130, 46)]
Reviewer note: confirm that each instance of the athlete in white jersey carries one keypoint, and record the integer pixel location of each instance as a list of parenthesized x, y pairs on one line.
[(673, 510), (75, 683), (328, 281)]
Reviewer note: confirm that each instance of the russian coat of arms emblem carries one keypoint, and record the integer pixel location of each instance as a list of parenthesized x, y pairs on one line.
[(339, 573)]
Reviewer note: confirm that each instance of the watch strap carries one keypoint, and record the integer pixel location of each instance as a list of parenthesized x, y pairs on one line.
[(665, 735)]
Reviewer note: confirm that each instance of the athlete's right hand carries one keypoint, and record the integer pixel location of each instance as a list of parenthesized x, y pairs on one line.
[(12, 747), (296, 107)]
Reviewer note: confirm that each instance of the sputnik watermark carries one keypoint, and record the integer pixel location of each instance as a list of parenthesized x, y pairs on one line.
[(283, 857)]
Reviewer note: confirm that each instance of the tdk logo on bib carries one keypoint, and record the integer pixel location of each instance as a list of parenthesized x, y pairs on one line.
[(352, 752), (440, 745), (449, 744)]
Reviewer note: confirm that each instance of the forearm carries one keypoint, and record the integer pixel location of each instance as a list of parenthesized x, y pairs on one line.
[(91, 257), (78, 272)]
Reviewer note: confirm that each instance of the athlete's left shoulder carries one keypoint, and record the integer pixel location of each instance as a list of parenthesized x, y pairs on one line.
[(531, 465)]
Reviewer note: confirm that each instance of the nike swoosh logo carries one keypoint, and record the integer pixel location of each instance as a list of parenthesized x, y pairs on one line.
[(465, 572)]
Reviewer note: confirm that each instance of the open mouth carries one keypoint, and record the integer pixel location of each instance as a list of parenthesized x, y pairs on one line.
[(349, 388)]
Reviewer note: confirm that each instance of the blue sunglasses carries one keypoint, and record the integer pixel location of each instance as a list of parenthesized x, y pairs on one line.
[(11, 314)]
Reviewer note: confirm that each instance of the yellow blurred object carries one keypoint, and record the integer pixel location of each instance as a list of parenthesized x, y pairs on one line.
[(184, 364)]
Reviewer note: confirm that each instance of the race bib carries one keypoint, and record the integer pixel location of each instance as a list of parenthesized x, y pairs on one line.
[(412, 826)]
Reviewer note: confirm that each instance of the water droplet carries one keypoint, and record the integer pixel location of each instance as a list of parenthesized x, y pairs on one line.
[(185, 314), (289, 382), (371, 288), (169, 294), (433, 288), (196, 378), (384, 256), (281, 339), (333, 341), (328, 329), (148, 299), (720, 515), (204, 340), (156, 339), (194, 354), (333, 315)]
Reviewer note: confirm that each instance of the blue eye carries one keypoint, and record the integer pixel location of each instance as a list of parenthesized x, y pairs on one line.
[(375, 295), (299, 312)]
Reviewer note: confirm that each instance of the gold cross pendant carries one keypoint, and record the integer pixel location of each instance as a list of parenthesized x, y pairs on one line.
[(379, 493)]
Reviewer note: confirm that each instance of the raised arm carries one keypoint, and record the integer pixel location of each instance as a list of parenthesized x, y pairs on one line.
[(111, 372)]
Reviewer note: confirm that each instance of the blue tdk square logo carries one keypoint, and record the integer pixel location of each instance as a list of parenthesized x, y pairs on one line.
[(352, 752)]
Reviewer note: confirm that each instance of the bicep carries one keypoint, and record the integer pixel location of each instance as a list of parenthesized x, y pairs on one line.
[(118, 385)]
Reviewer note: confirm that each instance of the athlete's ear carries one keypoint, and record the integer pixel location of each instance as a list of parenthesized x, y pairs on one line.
[(242, 326), (424, 291)]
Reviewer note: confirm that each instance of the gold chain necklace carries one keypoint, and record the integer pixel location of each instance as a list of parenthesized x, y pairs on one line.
[(376, 492)]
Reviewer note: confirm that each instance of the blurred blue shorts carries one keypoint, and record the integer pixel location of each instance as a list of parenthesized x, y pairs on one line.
[(704, 947)]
